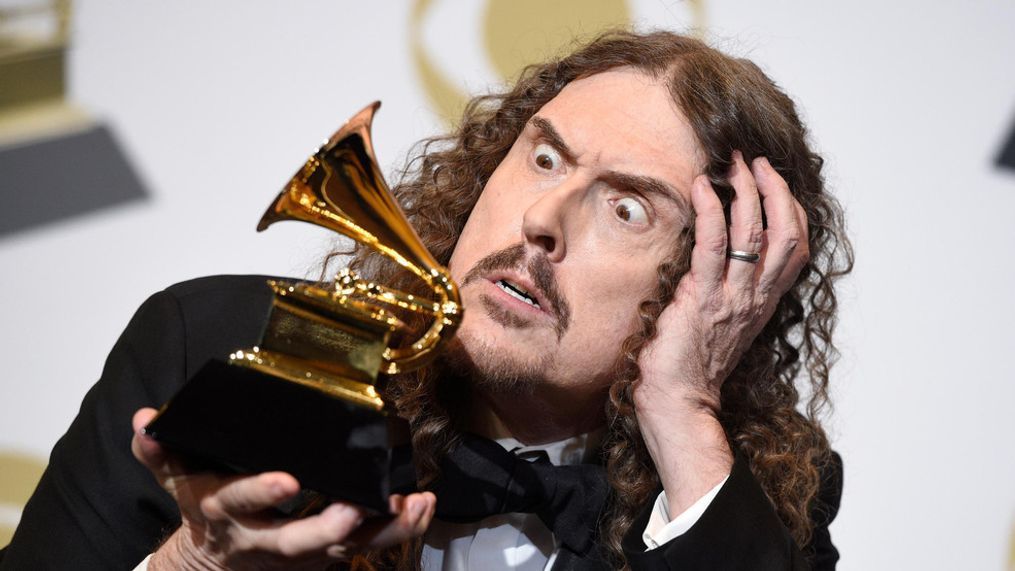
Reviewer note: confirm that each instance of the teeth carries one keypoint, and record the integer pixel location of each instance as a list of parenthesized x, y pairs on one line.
[(516, 292)]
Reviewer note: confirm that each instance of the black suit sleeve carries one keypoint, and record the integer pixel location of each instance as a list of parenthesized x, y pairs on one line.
[(96, 507), (740, 530)]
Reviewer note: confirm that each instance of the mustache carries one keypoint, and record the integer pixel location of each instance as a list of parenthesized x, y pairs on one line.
[(538, 268)]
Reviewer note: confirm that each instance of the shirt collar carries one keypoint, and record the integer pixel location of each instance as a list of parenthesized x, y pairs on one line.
[(578, 449)]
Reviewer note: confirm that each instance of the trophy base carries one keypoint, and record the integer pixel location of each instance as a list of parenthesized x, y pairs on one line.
[(246, 421)]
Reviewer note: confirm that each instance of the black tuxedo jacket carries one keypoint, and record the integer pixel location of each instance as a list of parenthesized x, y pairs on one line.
[(96, 507)]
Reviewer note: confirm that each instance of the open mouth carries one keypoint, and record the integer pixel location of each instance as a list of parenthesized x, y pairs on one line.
[(517, 292)]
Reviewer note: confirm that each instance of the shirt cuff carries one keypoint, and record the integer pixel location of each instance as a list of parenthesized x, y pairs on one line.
[(143, 565), (661, 528)]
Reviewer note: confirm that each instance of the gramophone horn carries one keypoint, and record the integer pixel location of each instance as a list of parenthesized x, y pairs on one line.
[(341, 188)]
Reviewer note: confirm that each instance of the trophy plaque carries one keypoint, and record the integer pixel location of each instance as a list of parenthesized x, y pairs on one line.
[(306, 399)]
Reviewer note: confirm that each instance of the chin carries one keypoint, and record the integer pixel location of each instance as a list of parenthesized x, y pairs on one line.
[(489, 366)]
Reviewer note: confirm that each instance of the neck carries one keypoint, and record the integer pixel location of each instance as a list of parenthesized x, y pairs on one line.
[(546, 415)]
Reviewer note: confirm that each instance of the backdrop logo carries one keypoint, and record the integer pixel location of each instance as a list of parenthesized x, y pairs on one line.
[(18, 476), (1011, 550), (508, 34)]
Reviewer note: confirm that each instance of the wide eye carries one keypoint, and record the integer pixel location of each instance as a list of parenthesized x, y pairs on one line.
[(546, 157), (631, 211)]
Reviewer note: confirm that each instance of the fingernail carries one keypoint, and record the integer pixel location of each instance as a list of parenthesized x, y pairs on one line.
[(343, 511), (338, 552), (396, 503)]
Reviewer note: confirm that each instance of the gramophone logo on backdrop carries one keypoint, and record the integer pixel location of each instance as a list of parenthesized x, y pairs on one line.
[(512, 34)]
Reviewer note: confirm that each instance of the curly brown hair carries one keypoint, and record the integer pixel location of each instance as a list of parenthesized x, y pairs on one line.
[(731, 104)]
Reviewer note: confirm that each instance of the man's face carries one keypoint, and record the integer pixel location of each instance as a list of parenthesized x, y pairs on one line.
[(567, 235)]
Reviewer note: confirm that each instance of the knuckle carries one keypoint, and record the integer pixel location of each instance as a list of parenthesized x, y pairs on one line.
[(212, 509), (239, 540), (765, 287), (755, 233), (804, 254), (721, 312), (716, 246), (796, 249), (791, 242), (744, 308), (288, 548)]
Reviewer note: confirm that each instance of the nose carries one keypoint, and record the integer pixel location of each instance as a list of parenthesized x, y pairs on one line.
[(543, 223)]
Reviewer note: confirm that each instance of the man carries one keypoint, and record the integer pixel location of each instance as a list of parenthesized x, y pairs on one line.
[(646, 253)]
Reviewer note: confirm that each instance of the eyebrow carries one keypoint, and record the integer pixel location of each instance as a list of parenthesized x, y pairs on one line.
[(645, 185), (549, 133)]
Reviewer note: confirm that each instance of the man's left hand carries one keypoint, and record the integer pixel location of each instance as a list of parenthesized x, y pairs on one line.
[(719, 307)]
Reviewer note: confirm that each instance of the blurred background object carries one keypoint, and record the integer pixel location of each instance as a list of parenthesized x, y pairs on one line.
[(34, 38), (55, 160)]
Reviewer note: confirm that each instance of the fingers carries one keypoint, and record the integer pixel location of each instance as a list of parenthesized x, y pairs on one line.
[(708, 258), (786, 232), (760, 192), (320, 532), (341, 529), (249, 495), (233, 511), (142, 417), (396, 502), (147, 450), (746, 227), (412, 521), (801, 252)]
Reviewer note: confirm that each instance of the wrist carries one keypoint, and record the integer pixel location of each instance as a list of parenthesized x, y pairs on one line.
[(685, 401), (179, 553), (685, 432), (687, 443)]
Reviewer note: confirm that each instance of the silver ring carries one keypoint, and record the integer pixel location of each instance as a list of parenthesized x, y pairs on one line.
[(743, 256)]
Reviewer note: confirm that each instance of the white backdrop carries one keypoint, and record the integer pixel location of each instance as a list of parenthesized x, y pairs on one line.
[(217, 103)]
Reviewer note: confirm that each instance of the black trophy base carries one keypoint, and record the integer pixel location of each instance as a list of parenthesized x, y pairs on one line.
[(242, 420)]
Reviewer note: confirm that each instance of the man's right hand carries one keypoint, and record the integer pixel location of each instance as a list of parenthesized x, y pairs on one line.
[(228, 523)]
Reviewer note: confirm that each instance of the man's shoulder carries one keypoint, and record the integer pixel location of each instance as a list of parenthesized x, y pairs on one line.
[(221, 293), (221, 285), (218, 314)]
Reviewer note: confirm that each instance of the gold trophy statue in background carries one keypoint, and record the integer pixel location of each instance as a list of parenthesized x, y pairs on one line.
[(305, 399)]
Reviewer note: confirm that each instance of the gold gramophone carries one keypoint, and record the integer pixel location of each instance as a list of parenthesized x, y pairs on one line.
[(305, 399)]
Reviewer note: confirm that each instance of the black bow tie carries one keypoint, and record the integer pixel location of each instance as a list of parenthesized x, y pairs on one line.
[(479, 479)]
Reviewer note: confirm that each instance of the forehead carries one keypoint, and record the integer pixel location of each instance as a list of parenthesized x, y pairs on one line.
[(626, 120)]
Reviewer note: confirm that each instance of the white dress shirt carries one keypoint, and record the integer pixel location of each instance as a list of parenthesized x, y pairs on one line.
[(521, 541)]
